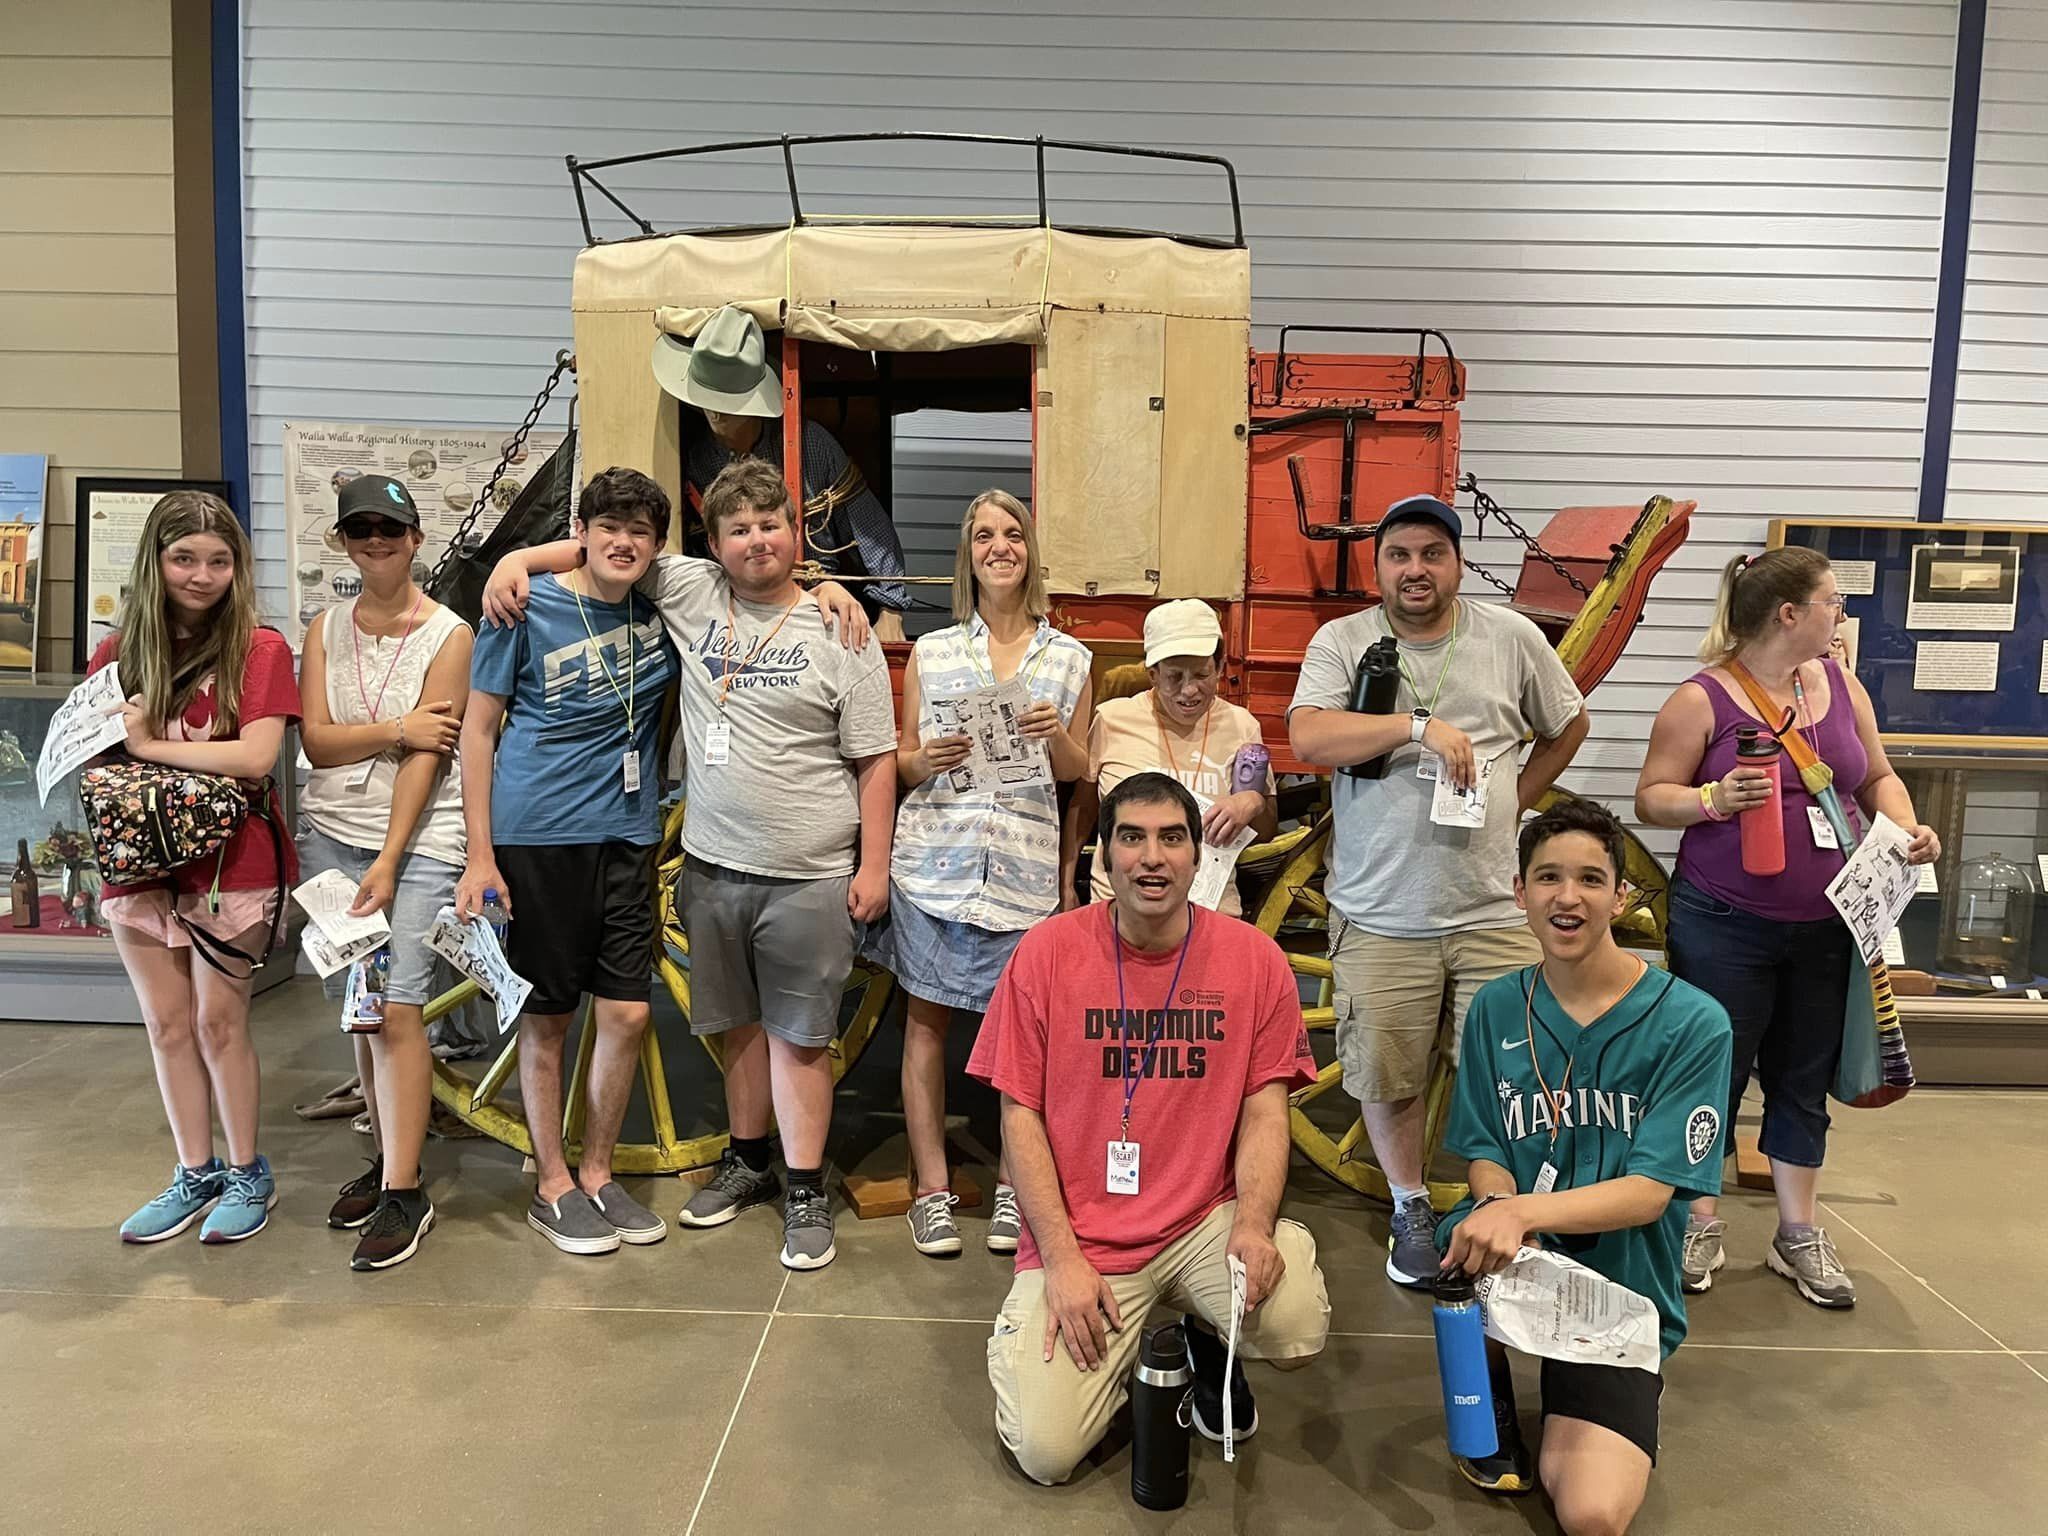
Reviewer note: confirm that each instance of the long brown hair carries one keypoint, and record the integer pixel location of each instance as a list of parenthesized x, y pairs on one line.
[(1752, 590), (966, 590), (144, 646)]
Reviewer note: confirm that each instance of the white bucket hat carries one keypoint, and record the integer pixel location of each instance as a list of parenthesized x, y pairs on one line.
[(1187, 626), (726, 370)]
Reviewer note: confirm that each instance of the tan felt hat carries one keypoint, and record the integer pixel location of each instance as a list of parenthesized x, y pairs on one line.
[(725, 370)]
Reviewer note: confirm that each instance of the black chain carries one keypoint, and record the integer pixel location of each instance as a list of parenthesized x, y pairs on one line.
[(1487, 576), (565, 362), (1485, 505)]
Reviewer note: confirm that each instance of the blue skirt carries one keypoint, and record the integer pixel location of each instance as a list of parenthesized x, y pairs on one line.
[(956, 964)]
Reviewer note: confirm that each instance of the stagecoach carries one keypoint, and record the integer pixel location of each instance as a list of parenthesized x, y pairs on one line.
[(1169, 459)]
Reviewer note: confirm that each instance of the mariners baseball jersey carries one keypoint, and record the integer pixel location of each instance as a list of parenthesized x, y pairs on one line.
[(1642, 1089)]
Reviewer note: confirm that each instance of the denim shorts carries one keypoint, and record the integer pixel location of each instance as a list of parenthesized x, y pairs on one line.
[(425, 885), (957, 964)]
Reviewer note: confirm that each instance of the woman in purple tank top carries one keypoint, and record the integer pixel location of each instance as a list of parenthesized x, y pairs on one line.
[(1771, 949)]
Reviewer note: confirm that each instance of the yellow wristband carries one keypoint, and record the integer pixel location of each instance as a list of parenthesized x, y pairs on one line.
[(1714, 812)]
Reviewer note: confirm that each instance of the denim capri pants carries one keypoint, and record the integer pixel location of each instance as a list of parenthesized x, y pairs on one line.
[(425, 885)]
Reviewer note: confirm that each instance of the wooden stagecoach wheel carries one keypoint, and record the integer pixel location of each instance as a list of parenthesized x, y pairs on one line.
[(1296, 913), (476, 1102)]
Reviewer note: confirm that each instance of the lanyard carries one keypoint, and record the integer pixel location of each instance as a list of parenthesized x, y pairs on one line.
[(369, 708), (1557, 1100), (1202, 756), (732, 630), (1799, 708), (1415, 687), (625, 698), (1564, 1087), (1116, 945)]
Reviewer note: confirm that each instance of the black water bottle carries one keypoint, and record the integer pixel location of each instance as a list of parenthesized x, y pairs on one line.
[(1373, 687), (1161, 1409)]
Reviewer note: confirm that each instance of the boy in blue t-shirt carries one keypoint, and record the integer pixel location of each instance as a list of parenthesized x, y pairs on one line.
[(563, 816), (1589, 1102)]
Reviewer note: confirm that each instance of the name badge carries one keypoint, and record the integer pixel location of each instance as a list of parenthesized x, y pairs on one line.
[(1546, 1178), (718, 742), (1428, 765), (1823, 833), (359, 775), (1123, 1167), (629, 768)]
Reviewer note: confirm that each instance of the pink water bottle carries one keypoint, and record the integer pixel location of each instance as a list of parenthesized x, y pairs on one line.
[(1763, 826)]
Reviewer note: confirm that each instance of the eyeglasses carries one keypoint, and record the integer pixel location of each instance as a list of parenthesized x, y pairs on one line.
[(359, 528), (1836, 603)]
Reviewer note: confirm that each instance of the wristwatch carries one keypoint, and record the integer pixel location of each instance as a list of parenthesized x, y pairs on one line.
[(1418, 722)]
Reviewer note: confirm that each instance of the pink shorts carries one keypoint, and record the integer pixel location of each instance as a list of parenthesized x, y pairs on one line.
[(149, 913)]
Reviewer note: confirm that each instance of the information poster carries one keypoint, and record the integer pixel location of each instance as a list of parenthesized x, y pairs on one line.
[(443, 469), (115, 518), (1957, 587), (23, 478)]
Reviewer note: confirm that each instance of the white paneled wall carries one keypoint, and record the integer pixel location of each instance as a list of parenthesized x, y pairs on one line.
[(1999, 465), (1683, 248)]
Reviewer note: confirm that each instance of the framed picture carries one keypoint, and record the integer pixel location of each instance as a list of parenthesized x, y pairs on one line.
[(110, 515)]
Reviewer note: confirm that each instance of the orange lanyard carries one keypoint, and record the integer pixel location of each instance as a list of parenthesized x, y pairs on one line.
[(732, 629), (1201, 757)]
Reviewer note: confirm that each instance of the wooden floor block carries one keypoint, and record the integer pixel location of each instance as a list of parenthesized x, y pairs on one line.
[(1752, 1168), (872, 1197)]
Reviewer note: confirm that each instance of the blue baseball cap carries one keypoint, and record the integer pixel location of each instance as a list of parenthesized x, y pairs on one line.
[(1420, 509)]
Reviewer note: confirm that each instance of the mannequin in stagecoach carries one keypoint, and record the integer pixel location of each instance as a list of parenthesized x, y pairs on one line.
[(724, 375)]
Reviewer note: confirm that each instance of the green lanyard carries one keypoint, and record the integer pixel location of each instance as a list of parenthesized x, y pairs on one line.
[(1450, 653)]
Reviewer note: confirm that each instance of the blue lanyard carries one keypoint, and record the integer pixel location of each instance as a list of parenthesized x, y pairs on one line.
[(1152, 1035)]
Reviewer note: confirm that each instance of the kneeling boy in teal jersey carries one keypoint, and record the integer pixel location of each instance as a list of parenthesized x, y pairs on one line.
[(1589, 1102)]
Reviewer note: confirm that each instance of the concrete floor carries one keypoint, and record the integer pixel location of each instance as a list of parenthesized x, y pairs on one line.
[(493, 1384)]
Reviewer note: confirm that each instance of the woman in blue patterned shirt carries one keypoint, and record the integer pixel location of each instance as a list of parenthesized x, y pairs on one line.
[(973, 869)]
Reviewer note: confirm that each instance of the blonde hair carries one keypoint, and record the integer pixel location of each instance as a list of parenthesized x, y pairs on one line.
[(143, 643), (1751, 592), (966, 590)]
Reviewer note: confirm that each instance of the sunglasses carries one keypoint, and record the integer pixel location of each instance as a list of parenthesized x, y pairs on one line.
[(359, 528)]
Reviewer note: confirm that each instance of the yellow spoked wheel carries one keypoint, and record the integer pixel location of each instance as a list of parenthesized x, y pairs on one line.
[(475, 1101), (1326, 1125)]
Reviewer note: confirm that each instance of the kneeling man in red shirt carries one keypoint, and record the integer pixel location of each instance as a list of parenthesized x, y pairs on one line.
[(1144, 1048)]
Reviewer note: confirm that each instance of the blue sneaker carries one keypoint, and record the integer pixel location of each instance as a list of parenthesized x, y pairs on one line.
[(192, 1191), (245, 1201)]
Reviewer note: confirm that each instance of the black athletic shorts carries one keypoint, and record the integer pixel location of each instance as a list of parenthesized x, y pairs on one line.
[(1615, 1397), (582, 921)]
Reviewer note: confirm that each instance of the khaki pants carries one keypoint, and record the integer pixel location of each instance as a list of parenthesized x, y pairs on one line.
[(1050, 1413), (1389, 997)]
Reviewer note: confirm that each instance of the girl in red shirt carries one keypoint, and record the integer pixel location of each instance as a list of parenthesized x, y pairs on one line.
[(209, 690)]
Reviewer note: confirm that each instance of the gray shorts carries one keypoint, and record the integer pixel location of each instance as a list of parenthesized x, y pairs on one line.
[(418, 975), (767, 951)]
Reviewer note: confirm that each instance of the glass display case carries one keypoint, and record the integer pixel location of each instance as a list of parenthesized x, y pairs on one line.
[(1973, 987), (56, 954)]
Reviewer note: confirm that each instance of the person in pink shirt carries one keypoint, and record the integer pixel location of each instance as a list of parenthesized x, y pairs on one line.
[(1144, 1049)]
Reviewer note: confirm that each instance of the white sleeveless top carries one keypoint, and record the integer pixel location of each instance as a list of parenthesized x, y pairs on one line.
[(356, 668)]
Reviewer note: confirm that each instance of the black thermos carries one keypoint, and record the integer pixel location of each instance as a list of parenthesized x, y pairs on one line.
[(1373, 688), (1160, 1413)]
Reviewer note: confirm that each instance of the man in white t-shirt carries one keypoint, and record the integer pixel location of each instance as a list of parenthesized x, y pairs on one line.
[(1421, 884)]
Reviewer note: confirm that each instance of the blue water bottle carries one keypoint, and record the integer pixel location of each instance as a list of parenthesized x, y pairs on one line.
[(495, 914), (1461, 1362)]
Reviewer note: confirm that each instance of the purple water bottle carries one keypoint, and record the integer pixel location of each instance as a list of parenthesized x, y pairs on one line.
[(1250, 768)]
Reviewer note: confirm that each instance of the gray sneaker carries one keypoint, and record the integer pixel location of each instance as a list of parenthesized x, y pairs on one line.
[(1005, 1222), (1414, 1260), (572, 1224), (628, 1217), (932, 1227), (1809, 1261), (732, 1189), (807, 1230), (1702, 1255)]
